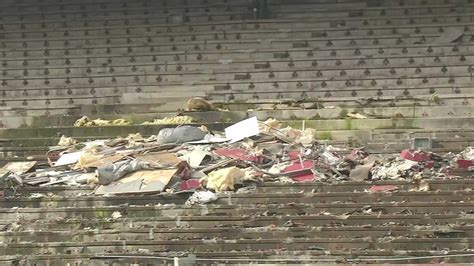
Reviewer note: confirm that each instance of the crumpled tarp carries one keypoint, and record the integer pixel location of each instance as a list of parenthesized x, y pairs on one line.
[(180, 134), (113, 172)]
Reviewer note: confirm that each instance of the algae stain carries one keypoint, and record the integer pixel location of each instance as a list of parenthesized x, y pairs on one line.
[(348, 123), (324, 135)]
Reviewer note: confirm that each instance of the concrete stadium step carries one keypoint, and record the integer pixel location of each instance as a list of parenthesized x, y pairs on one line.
[(241, 199), (120, 41), (285, 209), (315, 257), (246, 54), (441, 185), (138, 113), (326, 66), (435, 124), (414, 244), (183, 234), (353, 72), (210, 222)]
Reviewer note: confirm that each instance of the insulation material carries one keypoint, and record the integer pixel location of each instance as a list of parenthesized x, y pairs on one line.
[(177, 120), (66, 141), (86, 122), (223, 179)]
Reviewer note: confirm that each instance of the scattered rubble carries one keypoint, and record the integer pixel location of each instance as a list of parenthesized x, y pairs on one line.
[(186, 159)]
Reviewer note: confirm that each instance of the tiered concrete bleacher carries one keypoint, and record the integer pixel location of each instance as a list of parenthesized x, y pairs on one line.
[(111, 58), (305, 223)]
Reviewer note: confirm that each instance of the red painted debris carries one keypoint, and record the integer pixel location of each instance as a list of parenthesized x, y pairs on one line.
[(462, 163), (189, 185), (294, 155), (239, 154), (414, 155), (304, 177), (2, 194), (383, 188)]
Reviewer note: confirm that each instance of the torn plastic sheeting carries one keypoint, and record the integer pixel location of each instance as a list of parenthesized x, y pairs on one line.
[(180, 135), (383, 188), (239, 154), (201, 197), (113, 172), (303, 177)]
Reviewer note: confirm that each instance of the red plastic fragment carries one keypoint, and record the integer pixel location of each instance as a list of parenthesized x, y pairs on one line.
[(383, 188)]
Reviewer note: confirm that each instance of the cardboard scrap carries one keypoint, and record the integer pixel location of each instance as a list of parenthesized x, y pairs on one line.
[(143, 181), (195, 157), (17, 167), (163, 158), (383, 188)]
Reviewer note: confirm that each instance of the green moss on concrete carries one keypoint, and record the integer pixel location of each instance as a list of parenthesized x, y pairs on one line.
[(326, 135), (343, 113), (102, 213), (348, 123)]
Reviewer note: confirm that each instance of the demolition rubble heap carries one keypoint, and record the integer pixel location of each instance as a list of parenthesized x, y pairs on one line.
[(256, 191), (127, 131)]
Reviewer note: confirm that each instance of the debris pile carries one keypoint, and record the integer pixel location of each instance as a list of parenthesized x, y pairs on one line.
[(194, 159)]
